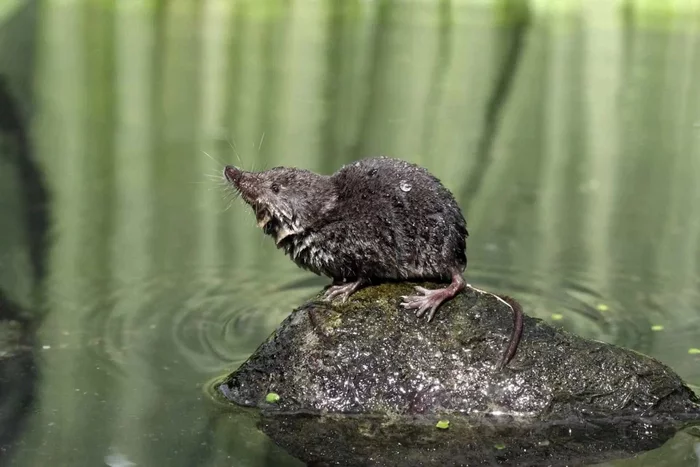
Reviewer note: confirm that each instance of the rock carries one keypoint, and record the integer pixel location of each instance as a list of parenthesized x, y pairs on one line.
[(369, 356), (366, 382)]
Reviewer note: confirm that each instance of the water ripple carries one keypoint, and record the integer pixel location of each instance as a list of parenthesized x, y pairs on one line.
[(202, 321), (206, 321)]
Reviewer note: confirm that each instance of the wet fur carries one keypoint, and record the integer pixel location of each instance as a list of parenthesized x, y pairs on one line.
[(365, 224), (360, 224)]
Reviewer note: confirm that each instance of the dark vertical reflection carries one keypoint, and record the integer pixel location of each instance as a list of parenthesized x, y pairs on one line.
[(18, 373), (511, 40), (17, 55), (32, 182), (19, 320)]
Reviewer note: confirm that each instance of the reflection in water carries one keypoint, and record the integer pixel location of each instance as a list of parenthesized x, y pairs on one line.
[(18, 374), (24, 228), (489, 442), (569, 138)]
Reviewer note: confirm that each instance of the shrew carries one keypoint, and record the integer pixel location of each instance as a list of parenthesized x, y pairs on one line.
[(378, 219)]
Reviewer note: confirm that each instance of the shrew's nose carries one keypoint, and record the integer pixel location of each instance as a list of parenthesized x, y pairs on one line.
[(232, 174)]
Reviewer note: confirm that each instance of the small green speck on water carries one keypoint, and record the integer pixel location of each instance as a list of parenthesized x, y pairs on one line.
[(557, 317), (443, 424), (694, 351), (657, 327), (499, 446), (602, 307), (272, 397)]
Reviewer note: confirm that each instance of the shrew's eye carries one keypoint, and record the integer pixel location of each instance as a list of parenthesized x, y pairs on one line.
[(275, 188)]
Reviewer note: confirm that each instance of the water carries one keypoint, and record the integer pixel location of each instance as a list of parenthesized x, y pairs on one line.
[(571, 139)]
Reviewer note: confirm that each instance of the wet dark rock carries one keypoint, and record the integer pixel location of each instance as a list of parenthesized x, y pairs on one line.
[(367, 378), (371, 356)]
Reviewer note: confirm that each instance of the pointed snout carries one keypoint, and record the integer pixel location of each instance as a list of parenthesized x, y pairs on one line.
[(233, 174), (243, 182)]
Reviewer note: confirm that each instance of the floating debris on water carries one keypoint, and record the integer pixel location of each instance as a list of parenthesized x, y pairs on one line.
[(657, 327), (694, 351), (443, 424), (499, 446), (557, 316), (602, 307), (272, 397)]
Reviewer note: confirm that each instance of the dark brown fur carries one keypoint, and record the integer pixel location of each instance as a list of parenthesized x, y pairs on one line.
[(375, 220)]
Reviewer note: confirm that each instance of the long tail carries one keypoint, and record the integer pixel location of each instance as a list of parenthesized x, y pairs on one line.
[(517, 325), (517, 330)]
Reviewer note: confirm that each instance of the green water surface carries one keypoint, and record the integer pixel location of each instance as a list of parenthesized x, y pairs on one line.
[(569, 135)]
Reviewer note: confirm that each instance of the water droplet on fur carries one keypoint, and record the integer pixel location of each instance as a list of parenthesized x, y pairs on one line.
[(405, 186)]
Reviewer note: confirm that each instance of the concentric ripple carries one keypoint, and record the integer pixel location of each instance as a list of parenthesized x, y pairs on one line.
[(204, 321), (193, 324)]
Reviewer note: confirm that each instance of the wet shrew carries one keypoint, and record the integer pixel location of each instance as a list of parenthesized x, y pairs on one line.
[(376, 220)]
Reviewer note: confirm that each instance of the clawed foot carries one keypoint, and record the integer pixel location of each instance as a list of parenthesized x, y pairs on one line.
[(429, 301), (343, 291)]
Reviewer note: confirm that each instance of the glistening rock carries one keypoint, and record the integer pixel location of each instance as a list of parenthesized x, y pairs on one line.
[(370, 356)]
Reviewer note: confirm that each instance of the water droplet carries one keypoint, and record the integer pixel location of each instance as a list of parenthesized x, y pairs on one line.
[(405, 186)]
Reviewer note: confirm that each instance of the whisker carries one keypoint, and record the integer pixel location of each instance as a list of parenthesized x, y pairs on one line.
[(230, 203), (212, 158), (235, 151)]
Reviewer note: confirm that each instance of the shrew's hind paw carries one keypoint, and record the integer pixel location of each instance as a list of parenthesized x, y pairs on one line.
[(429, 301)]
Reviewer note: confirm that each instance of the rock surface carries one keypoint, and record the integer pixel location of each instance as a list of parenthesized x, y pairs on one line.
[(369, 356)]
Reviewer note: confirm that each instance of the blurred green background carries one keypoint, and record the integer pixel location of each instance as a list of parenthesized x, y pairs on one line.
[(568, 130)]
